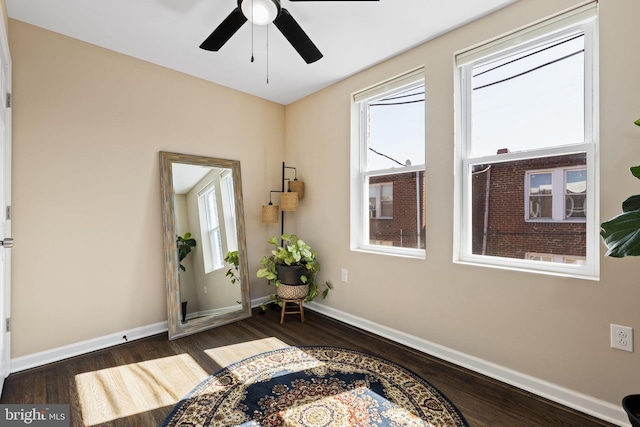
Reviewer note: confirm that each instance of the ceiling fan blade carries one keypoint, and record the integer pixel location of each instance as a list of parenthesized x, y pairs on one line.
[(224, 31), (297, 37), (330, 0)]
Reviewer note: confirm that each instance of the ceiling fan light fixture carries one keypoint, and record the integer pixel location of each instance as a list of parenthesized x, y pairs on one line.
[(260, 12)]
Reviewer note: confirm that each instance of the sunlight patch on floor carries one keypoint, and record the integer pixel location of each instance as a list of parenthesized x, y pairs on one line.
[(118, 392), (229, 354)]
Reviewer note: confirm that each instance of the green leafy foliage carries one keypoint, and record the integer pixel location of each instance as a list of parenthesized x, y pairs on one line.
[(621, 234), (185, 244), (291, 250), (232, 273)]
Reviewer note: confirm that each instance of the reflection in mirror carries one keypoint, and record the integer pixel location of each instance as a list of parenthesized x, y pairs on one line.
[(203, 212)]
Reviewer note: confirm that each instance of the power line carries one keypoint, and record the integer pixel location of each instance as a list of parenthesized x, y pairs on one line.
[(528, 55), (531, 70), (388, 157), (396, 103), (409, 93)]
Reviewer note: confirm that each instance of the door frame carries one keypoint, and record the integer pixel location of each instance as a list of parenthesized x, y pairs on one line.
[(5, 209)]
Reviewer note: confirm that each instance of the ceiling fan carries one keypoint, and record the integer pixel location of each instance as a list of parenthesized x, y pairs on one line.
[(264, 12)]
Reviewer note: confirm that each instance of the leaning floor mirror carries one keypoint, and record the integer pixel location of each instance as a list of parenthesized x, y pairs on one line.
[(203, 217)]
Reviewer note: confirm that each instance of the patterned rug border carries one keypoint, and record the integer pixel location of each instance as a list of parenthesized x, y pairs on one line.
[(445, 400)]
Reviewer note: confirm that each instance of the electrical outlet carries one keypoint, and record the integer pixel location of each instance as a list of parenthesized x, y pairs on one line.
[(205, 290), (622, 337), (344, 275)]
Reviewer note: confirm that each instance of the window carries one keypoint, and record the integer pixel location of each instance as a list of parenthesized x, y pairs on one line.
[(575, 201), (229, 209), (556, 195), (388, 164), (525, 149), (381, 200), (555, 258), (211, 234)]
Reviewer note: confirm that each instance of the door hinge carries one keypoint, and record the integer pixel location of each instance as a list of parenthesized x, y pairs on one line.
[(8, 325), (8, 100)]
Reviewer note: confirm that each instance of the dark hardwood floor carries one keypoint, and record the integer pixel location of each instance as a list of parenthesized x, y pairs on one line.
[(483, 401)]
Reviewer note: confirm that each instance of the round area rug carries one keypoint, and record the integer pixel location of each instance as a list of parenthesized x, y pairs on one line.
[(314, 387)]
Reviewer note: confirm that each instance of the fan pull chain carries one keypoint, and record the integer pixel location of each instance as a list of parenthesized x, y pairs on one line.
[(252, 42), (267, 54), (252, 26)]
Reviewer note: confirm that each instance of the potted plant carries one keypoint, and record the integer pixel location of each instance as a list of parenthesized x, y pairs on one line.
[(292, 268), (621, 234), (631, 405)]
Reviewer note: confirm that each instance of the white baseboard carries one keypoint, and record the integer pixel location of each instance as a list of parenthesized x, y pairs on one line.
[(581, 402), (59, 353), (589, 405), (262, 300)]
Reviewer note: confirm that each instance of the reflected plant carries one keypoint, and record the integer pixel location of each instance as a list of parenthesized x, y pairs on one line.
[(232, 273), (184, 248)]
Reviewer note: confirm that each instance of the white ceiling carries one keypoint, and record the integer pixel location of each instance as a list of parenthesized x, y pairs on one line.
[(352, 35)]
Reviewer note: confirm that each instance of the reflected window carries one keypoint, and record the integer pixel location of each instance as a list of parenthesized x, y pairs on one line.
[(212, 237), (229, 210)]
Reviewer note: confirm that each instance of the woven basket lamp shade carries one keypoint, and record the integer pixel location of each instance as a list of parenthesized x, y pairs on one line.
[(270, 214), (297, 187), (289, 201)]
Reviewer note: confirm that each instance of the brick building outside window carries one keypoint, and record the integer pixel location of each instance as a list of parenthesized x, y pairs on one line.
[(508, 220)]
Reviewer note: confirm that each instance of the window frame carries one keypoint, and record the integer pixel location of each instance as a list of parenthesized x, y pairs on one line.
[(581, 19), (359, 200)]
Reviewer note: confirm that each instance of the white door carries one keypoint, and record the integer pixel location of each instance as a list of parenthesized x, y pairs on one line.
[(5, 206)]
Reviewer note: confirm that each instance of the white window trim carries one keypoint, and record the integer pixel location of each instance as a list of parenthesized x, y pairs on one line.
[(359, 212), (584, 16)]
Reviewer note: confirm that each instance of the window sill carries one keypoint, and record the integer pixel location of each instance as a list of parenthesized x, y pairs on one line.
[(556, 221), (392, 251), (535, 267)]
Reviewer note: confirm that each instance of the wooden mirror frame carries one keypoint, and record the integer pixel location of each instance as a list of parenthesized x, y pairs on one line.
[(176, 327)]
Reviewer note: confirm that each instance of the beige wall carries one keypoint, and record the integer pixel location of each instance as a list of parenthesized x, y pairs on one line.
[(88, 124), (3, 7), (552, 328)]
